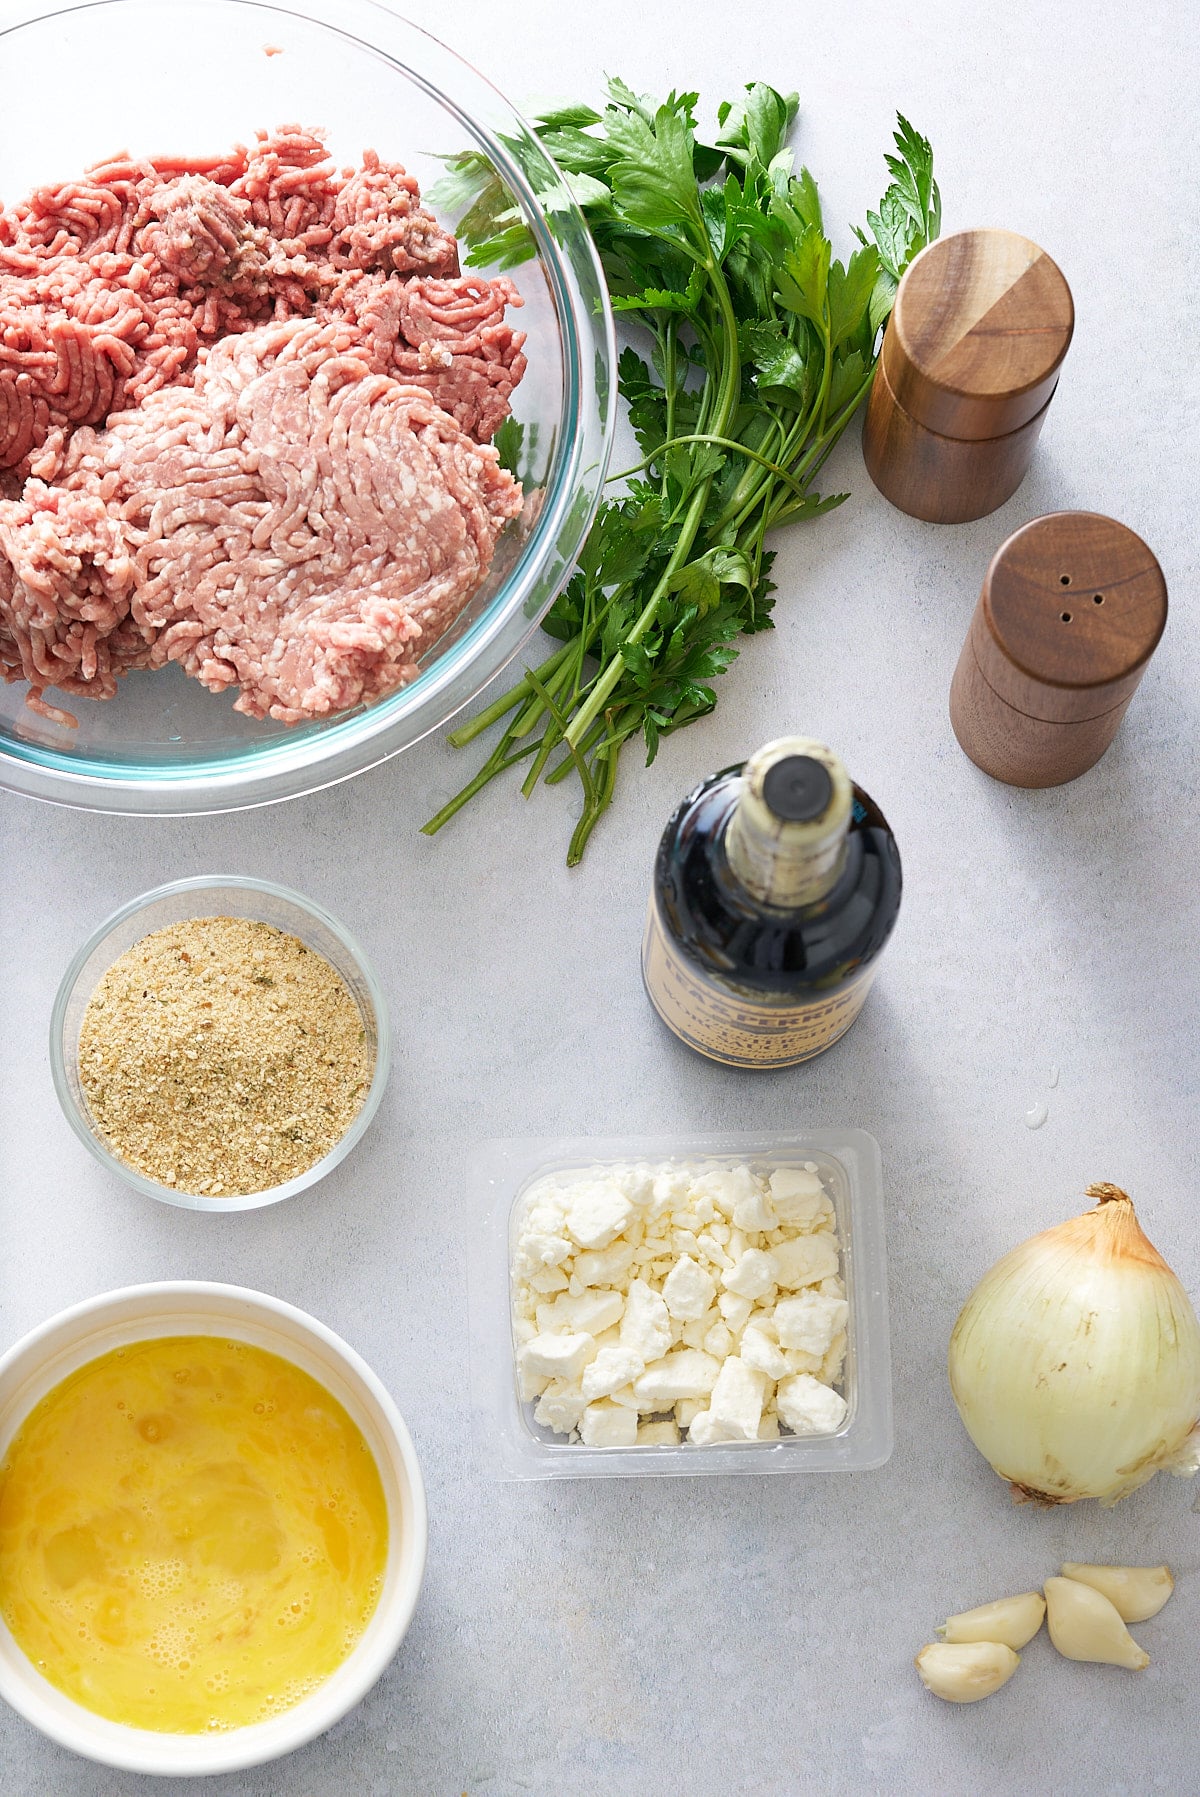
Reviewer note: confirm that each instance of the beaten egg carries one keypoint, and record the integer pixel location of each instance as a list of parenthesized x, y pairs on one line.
[(193, 1534)]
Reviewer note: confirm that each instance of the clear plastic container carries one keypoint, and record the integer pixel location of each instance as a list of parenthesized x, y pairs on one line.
[(213, 895), (194, 76), (514, 1446)]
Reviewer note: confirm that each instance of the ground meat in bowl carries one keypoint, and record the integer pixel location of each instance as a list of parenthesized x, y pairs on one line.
[(245, 409)]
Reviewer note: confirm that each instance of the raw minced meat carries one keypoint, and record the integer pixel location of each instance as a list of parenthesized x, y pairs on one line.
[(245, 406)]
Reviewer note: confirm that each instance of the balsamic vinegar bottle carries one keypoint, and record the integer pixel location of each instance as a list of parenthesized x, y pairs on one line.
[(776, 888)]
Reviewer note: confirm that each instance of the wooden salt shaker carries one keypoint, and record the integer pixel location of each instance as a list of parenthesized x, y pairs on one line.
[(1072, 608), (969, 364)]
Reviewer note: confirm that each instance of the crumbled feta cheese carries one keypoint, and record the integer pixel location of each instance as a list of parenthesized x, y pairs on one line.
[(736, 1403), (759, 1351), (555, 1356), (710, 1291), (684, 1373), (808, 1407), (611, 1369), (688, 1290), (560, 1406), (608, 1426), (810, 1321), (753, 1275), (735, 1309), (804, 1260), (798, 1197), (658, 1434), (592, 1311), (597, 1212), (646, 1324)]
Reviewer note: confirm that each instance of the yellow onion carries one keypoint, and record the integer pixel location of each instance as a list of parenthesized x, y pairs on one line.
[(1075, 1363)]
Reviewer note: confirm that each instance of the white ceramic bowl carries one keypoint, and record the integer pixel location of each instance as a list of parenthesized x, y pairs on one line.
[(57, 1348)]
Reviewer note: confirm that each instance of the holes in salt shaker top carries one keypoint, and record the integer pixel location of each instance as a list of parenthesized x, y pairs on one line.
[(1066, 617)]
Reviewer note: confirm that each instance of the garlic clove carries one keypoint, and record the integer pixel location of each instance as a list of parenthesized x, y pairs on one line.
[(1010, 1620), (1084, 1625), (964, 1672), (1136, 1593)]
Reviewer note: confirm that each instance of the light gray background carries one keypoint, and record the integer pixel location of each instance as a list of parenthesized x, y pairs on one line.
[(749, 1635)]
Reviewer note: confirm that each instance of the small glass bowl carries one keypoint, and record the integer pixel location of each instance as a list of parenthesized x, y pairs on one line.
[(213, 895)]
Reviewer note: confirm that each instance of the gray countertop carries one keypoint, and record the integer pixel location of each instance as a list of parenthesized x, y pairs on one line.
[(744, 1635)]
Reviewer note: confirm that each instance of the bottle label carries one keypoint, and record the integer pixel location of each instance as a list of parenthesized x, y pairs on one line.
[(739, 1028)]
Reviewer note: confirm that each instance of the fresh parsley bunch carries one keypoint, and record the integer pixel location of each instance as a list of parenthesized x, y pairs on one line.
[(761, 349)]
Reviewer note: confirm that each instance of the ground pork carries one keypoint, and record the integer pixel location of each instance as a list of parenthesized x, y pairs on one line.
[(298, 523), (110, 285), (291, 494)]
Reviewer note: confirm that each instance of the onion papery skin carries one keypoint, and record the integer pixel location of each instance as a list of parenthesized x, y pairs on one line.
[(1075, 1363)]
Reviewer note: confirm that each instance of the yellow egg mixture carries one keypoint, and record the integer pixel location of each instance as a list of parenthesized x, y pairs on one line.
[(192, 1534)]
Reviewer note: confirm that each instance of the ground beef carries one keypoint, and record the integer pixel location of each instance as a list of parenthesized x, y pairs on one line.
[(292, 493)]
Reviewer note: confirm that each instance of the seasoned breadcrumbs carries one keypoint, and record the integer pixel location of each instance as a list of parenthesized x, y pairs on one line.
[(221, 1056)]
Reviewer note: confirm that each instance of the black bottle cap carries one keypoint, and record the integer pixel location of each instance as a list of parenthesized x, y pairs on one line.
[(797, 790)]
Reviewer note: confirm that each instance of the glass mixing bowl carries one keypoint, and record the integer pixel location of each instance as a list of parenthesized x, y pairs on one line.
[(195, 76), (213, 895)]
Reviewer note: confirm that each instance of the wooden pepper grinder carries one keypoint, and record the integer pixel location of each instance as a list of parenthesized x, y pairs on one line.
[(1072, 608), (969, 364)]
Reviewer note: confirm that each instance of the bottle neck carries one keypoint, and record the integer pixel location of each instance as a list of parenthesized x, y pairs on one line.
[(780, 861)]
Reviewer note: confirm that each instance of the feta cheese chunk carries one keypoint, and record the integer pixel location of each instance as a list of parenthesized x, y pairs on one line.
[(560, 1406), (797, 1197), (808, 1407), (598, 1211), (556, 1356), (603, 1266), (804, 1260), (718, 1341), (760, 1352), (611, 1369), (754, 1212), (735, 1309), (810, 1322), (735, 1406), (608, 1426), (752, 1276), (646, 1324), (688, 1290), (703, 1431), (658, 1434), (591, 1311), (684, 1373), (727, 1187)]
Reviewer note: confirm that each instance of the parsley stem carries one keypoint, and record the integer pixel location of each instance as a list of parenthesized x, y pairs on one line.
[(725, 406), (774, 468), (499, 708)]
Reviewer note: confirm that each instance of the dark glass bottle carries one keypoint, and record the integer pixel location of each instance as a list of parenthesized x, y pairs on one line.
[(776, 888)]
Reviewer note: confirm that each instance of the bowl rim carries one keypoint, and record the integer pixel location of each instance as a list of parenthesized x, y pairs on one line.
[(353, 744), (314, 1717), (79, 1119)]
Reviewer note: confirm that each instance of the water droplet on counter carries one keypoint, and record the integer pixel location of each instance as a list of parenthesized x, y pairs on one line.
[(1053, 1080), (1035, 1117)]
